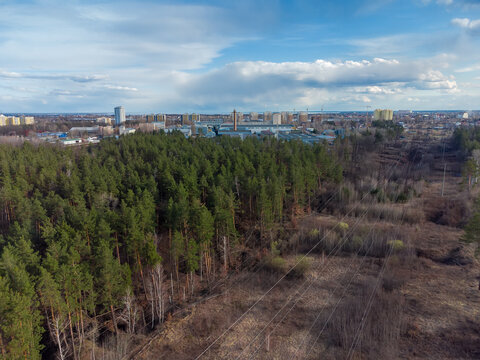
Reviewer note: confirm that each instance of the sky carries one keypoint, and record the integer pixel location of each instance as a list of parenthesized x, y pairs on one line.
[(252, 55)]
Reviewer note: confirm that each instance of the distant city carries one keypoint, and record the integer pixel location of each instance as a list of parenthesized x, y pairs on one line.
[(309, 127)]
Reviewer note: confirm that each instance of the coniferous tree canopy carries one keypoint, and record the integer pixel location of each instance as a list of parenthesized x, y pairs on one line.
[(81, 227)]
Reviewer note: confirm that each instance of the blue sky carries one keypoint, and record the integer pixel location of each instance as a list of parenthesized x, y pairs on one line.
[(212, 56)]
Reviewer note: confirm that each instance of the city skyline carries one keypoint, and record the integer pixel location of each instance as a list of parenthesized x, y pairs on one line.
[(211, 57)]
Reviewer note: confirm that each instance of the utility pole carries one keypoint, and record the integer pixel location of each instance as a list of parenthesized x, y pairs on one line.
[(444, 168), (225, 252), (443, 182), (368, 113)]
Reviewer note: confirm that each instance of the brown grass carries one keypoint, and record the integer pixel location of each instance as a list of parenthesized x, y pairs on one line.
[(381, 329), (388, 212)]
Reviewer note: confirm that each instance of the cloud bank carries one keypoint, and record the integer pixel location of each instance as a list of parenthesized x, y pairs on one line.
[(170, 57), (250, 83)]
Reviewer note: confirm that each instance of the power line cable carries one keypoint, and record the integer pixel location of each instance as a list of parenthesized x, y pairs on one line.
[(281, 278), (313, 281), (336, 249), (311, 348)]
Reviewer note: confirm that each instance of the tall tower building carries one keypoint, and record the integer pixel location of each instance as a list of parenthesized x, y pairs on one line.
[(267, 116), (234, 116), (302, 116), (185, 119), (383, 114), (289, 118), (119, 115), (277, 119), (160, 118)]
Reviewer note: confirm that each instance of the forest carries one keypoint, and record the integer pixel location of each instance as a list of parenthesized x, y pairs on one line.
[(467, 141), (90, 236)]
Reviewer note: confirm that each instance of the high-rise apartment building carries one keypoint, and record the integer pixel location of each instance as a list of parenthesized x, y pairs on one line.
[(277, 119), (104, 120), (289, 118), (160, 118), (302, 116), (267, 116), (16, 120), (119, 115), (383, 114), (27, 120), (254, 116)]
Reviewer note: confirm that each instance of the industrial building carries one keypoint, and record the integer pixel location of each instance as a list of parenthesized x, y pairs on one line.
[(236, 116), (256, 128)]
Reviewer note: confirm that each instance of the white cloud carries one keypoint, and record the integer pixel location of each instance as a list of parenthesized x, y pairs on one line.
[(122, 88), (253, 83), (474, 67), (154, 57), (108, 51), (380, 90), (466, 23)]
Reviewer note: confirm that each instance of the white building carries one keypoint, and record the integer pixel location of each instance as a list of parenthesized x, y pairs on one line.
[(159, 125), (125, 131), (277, 119)]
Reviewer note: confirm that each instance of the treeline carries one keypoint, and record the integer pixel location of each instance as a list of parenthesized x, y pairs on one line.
[(467, 141), (392, 129), (87, 234)]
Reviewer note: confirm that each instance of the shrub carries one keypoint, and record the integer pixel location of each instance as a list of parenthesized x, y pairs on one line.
[(343, 226), (274, 248), (314, 232), (472, 230), (276, 264), (304, 264), (403, 197), (353, 244), (396, 245)]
